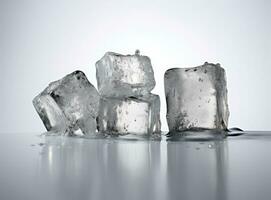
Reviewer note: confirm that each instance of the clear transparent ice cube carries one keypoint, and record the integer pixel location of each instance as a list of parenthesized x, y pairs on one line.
[(139, 116), (124, 75), (68, 105), (196, 98)]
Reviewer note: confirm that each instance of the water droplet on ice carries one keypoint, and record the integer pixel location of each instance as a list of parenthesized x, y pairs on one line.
[(137, 52)]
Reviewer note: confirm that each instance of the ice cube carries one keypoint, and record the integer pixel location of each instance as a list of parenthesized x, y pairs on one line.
[(69, 104), (196, 98), (124, 75), (140, 116)]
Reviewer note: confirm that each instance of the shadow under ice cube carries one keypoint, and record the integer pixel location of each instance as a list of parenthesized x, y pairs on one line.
[(124, 75), (140, 116), (196, 98), (69, 104)]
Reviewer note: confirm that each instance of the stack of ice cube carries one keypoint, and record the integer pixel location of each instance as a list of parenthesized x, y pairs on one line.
[(127, 105), (68, 105), (196, 98)]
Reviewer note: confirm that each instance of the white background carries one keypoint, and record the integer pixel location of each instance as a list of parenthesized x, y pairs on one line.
[(41, 41)]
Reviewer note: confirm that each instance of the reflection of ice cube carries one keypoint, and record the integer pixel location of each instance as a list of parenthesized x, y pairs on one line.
[(124, 75), (130, 115), (69, 104), (196, 98)]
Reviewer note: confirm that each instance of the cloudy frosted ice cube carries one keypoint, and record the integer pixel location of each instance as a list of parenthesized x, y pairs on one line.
[(125, 115), (69, 104), (196, 98), (124, 75)]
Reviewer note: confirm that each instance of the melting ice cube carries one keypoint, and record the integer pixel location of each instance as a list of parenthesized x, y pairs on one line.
[(196, 98), (69, 104), (124, 75), (125, 115)]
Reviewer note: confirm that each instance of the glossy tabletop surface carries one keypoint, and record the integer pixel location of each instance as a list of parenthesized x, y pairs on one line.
[(56, 168)]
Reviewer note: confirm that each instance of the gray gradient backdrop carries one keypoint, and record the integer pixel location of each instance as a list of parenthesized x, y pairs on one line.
[(41, 41)]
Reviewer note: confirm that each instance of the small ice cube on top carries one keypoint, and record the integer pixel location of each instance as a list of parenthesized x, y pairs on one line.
[(196, 98), (139, 116), (124, 75), (69, 104)]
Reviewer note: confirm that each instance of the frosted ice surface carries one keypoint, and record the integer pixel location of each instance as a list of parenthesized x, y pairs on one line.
[(196, 98), (124, 75), (125, 115), (69, 104)]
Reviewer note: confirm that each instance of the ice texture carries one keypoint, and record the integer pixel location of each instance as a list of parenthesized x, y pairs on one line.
[(196, 98), (124, 75), (140, 116), (68, 105)]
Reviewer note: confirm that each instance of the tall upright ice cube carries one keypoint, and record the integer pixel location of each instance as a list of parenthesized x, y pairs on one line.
[(124, 75), (196, 98), (140, 116), (69, 104)]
